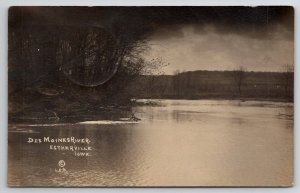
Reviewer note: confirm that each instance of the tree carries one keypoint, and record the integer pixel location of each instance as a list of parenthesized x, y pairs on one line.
[(57, 63), (239, 76), (176, 82), (288, 79)]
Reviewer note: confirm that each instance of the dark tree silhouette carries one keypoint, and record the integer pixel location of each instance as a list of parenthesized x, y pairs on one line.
[(239, 76), (288, 79), (57, 63)]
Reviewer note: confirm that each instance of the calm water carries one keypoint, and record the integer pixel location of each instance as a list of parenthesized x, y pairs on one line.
[(180, 143)]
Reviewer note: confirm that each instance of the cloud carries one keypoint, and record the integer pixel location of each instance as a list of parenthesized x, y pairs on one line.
[(189, 38), (157, 20), (212, 50)]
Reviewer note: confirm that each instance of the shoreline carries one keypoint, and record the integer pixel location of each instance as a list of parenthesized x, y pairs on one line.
[(116, 113), (220, 99)]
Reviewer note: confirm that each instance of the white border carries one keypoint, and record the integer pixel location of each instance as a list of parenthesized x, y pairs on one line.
[(4, 4)]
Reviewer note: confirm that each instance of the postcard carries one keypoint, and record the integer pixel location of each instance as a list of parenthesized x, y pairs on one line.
[(185, 96)]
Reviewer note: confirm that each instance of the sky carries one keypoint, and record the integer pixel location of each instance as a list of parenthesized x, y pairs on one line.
[(187, 38), (214, 46), (213, 51)]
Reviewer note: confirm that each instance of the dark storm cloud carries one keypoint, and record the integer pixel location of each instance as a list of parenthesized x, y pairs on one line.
[(145, 21), (223, 38), (189, 38), (250, 21)]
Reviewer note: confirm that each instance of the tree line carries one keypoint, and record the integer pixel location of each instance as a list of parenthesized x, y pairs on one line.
[(237, 84)]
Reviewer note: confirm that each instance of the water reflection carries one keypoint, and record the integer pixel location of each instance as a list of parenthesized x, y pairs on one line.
[(180, 143)]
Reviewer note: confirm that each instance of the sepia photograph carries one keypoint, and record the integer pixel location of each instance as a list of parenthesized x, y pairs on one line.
[(150, 96)]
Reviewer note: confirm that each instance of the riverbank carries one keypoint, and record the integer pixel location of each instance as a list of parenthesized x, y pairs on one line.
[(111, 112)]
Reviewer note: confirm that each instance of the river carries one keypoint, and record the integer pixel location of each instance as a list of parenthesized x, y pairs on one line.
[(176, 143)]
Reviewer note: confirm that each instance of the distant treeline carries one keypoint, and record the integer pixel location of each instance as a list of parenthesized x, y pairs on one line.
[(217, 84)]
